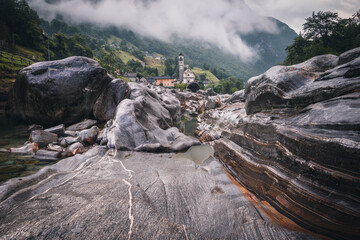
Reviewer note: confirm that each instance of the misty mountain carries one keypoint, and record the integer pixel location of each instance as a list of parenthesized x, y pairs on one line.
[(225, 34), (270, 47)]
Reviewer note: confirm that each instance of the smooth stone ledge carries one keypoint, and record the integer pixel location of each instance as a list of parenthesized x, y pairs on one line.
[(105, 194)]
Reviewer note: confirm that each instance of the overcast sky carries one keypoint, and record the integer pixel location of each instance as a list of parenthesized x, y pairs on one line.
[(294, 12), (214, 21)]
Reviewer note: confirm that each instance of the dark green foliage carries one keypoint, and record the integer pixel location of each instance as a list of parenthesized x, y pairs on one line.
[(169, 67), (320, 26), (110, 61), (181, 86), (220, 73), (62, 46), (19, 24), (228, 85), (325, 33)]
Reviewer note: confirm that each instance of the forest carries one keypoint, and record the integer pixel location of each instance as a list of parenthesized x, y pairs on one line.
[(324, 33)]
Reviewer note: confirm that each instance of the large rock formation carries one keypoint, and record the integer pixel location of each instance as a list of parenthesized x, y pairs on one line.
[(105, 107), (296, 143), (105, 194), (144, 123), (61, 91)]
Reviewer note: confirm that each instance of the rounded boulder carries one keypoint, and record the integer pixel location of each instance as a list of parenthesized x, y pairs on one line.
[(62, 91)]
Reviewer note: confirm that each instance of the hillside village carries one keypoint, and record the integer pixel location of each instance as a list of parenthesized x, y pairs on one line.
[(185, 76)]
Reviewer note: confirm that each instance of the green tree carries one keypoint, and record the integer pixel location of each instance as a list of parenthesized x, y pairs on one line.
[(296, 51), (325, 33), (61, 48), (169, 67), (202, 77), (320, 26)]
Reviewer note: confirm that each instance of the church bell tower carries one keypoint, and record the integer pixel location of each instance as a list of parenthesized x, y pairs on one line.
[(181, 67)]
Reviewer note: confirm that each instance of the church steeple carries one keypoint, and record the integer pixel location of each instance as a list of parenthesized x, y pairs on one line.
[(181, 67)]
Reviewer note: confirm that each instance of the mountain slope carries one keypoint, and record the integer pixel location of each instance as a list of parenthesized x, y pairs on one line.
[(270, 47)]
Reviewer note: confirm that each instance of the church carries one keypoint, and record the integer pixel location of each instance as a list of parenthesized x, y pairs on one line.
[(186, 76)]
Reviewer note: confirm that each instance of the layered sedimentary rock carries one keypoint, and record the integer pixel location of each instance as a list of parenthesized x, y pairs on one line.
[(55, 92), (296, 143), (105, 194)]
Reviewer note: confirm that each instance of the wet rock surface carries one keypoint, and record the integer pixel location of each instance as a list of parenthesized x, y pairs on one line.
[(144, 123), (104, 194), (55, 92), (295, 143), (42, 138), (114, 93), (238, 96), (299, 85)]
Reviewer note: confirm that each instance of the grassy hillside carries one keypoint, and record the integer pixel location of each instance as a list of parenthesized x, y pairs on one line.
[(154, 63), (10, 65), (208, 74), (125, 56), (12, 62)]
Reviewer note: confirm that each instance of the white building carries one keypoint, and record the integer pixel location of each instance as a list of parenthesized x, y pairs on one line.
[(188, 76)]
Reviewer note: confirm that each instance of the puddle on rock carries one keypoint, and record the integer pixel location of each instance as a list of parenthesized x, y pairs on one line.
[(197, 154)]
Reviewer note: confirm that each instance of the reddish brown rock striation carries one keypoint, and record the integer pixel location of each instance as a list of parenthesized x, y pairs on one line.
[(297, 145)]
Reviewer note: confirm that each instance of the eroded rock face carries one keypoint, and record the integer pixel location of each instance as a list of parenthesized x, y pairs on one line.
[(144, 123), (114, 93), (238, 96), (55, 92), (131, 195), (304, 161), (295, 86), (349, 56)]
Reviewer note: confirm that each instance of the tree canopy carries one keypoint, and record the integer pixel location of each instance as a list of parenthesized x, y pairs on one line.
[(324, 33), (19, 24)]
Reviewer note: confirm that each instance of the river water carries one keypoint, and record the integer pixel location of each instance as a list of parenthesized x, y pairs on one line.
[(15, 134)]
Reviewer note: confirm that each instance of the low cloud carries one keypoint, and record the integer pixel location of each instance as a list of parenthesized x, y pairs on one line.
[(294, 12), (213, 21)]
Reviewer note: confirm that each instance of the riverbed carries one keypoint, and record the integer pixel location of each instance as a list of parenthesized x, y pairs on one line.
[(15, 134)]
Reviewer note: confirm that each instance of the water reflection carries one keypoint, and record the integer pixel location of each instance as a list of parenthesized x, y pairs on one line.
[(15, 134), (188, 124), (198, 153)]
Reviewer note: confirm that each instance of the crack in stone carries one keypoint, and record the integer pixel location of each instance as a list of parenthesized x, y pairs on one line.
[(187, 238), (130, 172), (78, 170), (152, 184)]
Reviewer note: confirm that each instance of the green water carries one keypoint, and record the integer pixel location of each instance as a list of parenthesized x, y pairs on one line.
[(198, 153), (15, 134), (188, 124)]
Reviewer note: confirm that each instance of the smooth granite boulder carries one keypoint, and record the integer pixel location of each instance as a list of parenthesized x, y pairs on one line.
[(56, 92), (114, 93), (143, 123)]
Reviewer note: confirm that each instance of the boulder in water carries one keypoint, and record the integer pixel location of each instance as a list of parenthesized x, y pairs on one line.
[(42, 138)]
